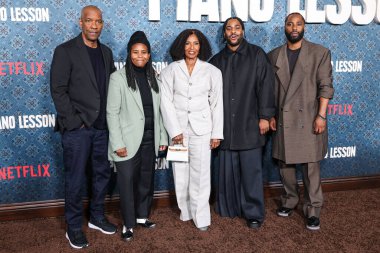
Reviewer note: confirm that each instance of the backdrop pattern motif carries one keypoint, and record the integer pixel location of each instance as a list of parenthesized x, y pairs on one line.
[(33, 44)]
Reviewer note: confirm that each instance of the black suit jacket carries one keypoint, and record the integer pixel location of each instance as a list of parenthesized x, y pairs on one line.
[(73, 84)]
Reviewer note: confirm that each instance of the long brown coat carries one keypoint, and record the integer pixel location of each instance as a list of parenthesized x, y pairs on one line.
[(297, 100)]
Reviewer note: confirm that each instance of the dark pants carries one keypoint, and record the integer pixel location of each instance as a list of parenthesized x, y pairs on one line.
[(240, 184), (136, 182), (79, 147)]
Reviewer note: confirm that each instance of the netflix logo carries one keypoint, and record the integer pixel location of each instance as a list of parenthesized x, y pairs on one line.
[(22, 68), (340, 109), (24, 171)]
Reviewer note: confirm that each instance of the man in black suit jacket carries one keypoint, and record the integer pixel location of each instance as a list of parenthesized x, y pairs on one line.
[(80, 73)]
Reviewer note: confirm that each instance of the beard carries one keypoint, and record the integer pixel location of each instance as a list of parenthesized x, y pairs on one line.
[(229, 42), (294, 39)]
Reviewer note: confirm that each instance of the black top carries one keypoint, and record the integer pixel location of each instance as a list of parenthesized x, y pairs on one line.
[(97, 62), (73, 84), (146, 96), (292, 58), (248, 95)]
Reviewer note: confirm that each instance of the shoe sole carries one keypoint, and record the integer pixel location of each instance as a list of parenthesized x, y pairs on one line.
[(283, 214), (127, 239), (142, 224), (254, 226), (74, 246), (313, 228), (90, 225)]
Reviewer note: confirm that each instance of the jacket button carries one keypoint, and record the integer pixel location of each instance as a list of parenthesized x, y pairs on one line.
[(300, 110), (188, 112), (189, 98), (282, 109), (190, 84)]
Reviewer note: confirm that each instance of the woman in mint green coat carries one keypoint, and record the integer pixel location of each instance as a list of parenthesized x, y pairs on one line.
[(136, 133)]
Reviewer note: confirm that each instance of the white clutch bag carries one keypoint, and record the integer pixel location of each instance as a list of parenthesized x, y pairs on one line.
[(177, 154)]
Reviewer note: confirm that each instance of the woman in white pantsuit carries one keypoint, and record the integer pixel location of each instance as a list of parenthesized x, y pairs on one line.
[(192, 111)]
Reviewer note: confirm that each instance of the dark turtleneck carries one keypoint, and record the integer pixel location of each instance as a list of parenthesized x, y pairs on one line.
[(146, 96)]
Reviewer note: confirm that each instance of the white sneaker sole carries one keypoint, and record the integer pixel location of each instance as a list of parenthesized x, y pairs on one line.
[(313, 228), (283, 214), (74, 246), (90, 225)]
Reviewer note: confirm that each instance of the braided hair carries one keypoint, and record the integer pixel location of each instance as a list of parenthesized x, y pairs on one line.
[(149, 71)]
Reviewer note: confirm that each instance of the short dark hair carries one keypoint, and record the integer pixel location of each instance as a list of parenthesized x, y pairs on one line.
[(237, 18), (177, 49), (295, 13), (225, 25)]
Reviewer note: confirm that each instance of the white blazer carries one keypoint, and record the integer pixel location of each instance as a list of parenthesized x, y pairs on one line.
[(197, 99)]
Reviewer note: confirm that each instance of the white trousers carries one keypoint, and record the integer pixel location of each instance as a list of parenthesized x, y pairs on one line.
[(192, 179)]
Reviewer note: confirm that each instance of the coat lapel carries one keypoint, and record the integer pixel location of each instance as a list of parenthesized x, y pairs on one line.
[(283, 68), (156, 102), (183, 67), (106, 61), (86, 60), (137, 97), (299, 71), (135, 93), (197, 67)]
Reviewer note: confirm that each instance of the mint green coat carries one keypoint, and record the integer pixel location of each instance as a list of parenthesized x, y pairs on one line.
[(125, 118)]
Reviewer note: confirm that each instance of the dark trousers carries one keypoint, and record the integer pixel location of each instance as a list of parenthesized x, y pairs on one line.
[(79, 147), (240, 184), (136, 182)]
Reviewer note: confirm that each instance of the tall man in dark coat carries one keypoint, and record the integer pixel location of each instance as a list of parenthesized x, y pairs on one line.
[(80, 72), (303, 89), (248, 95)]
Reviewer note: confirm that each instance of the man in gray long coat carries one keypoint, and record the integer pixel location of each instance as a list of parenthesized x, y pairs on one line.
[(303, 89)]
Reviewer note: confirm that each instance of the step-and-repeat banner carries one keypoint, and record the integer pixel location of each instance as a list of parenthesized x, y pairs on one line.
[(31, 166)]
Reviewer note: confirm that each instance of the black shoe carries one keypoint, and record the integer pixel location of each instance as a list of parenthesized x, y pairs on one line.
[(313, 223), (253, 223), (103, 225), (147, 224), (284, 211), (127, 236), (77, 239)]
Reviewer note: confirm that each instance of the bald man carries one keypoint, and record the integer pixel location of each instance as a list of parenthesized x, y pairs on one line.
[(80, 73)]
